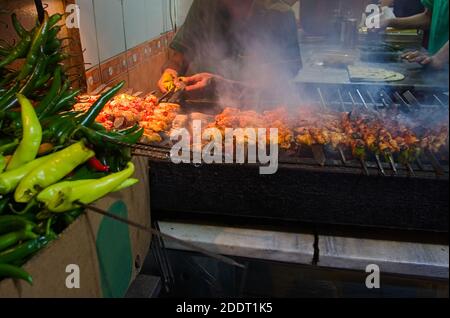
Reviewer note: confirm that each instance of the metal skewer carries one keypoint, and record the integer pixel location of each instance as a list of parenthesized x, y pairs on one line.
[(364, 166), (361, 160), (392, 163), (325, 107), (341, 99), (322, 99), (380, 165), (439, 100), (435, 163), (410, 169), (342, 154), (420, 164), (362, 99)]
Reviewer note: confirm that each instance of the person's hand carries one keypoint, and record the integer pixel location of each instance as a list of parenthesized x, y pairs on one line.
[(198, 81), (167, 81), (423, 59)]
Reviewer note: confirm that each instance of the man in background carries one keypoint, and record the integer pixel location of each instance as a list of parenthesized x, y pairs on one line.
[(240, 40)]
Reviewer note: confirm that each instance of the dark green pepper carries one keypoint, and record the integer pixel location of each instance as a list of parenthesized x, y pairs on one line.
[(67, 101), (43, 107), (3, 205), (10, 223), (24, 250), (10, 271), (39, 39), (18, 27), (19, 51), (11, 239), (97, 107)]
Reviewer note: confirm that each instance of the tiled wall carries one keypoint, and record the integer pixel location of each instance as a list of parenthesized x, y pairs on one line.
[(127, 40), (140, 67)]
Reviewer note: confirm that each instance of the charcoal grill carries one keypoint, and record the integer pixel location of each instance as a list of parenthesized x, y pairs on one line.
[(337, 191)]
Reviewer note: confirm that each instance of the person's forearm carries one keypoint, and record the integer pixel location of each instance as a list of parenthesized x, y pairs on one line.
[(175, 62), (442, 55), (418, 21)]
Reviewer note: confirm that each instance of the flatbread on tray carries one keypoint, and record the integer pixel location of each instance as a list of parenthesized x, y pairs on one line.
[(371, 74)]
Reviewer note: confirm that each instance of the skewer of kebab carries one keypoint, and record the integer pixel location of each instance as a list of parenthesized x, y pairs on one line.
[(318, 136), (408, 144), (356, 143), (371, 138), (335, 132), (338, 138), (378, 139), (433, 143)]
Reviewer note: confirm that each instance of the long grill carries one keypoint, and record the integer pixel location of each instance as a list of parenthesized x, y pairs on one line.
[(339, 190), (346, 100)]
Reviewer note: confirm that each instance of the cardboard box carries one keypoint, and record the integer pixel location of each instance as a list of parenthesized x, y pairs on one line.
[(104, 254)]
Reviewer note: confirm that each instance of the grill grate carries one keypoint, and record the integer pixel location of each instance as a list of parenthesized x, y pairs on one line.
[(347, 100)]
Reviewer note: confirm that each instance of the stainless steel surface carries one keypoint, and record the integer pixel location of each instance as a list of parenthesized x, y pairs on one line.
[(393, 257), (412, 259), (315, 72)]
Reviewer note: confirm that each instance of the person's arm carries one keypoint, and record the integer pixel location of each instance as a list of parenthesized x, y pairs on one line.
[(185, 41), (441, 57), (418, 21), (437, 61)]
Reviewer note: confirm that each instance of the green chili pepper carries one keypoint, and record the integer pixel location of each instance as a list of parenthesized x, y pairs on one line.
[(10, 271), (4, 52), (36, 76), (10, 223), (23, 251), (53, 46), (32, 136), (99, 137), (8, 147), (27, 210), (33, 54), (98, 106), (9, 99), (19, 51), (42, 80), (52, 34), (8, 78), (11, 179), (44, 105), (18, 27), (51, 108), (11, 239), (67, 101), (58, 57), (126, 184), (59, 166), (64, 196), (3, 205), (130, 130), (54, 19), (2, 163)]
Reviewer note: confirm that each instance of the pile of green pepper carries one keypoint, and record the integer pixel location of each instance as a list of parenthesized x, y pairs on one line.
[(52, 160)]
